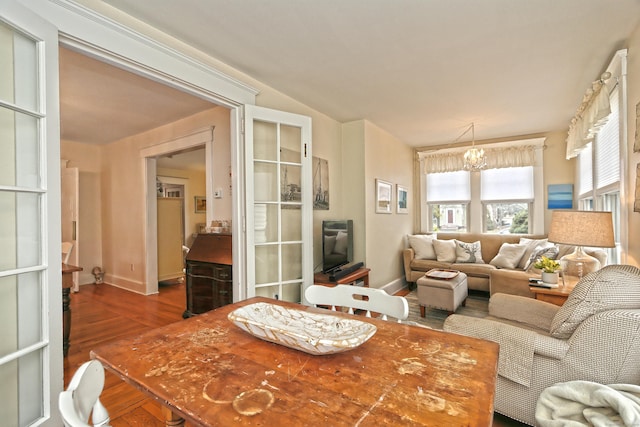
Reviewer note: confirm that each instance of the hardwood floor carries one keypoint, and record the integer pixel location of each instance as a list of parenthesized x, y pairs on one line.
[(103, 313)]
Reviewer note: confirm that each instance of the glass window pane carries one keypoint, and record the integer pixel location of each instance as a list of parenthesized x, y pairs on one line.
[(18, 69), (290, 138), (506, 218), (448, 186), (292, 217), (290, 185), (19, 154), (292, 292), (449, 217), (267, 263), (22, 318), (272, 291), (265, 222), (19, 230), (22, 404), (265, 141), (265, 182), (292, 262)]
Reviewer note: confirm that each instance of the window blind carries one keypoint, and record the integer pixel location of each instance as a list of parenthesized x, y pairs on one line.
[(585, 168), (507, 184), (448, 186), (607, 147)]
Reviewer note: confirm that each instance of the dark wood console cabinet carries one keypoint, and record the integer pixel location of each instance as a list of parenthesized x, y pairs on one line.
[(209, 282)]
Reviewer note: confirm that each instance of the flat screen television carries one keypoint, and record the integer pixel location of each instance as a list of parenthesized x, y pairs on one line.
[(337, 244)]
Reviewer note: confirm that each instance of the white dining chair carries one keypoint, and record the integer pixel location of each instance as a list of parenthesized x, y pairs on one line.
[(67, 247), (359, 298), (82, 397)]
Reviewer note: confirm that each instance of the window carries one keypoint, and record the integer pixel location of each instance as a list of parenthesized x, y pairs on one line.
[(599, 163), (507, 196), (448, 196), (499, 199)]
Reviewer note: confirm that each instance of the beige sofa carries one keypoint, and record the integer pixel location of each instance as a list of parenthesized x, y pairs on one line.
[(486, 277)]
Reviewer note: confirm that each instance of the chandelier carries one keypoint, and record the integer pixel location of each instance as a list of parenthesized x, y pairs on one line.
[(474, 158)]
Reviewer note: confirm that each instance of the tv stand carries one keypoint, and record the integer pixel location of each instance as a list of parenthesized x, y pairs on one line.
[(350, 278)]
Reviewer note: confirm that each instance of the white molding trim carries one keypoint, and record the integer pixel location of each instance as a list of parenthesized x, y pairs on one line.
[(120, 45)]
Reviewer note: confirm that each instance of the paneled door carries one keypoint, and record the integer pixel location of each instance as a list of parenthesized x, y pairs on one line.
[(279, 213), (30, 259)]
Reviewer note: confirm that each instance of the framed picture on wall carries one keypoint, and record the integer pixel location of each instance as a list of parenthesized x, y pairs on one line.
[(383, 196), (402, 199), (200, 203)]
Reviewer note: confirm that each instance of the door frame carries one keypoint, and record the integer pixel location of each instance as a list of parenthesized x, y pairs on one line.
[(90, 33)]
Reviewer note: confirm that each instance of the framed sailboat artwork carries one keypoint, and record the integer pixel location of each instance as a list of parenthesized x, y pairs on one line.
[(320, 183)]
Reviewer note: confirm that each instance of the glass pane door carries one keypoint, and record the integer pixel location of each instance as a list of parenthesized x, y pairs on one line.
[(279, 210), (29, 378)]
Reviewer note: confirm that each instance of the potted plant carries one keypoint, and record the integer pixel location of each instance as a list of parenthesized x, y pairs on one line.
[(549, 267)]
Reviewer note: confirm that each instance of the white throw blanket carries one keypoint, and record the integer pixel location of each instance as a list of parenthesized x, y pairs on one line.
[(584, 403)]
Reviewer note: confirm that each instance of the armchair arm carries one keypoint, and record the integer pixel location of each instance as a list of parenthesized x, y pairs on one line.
[(517, 345), (531, 312)]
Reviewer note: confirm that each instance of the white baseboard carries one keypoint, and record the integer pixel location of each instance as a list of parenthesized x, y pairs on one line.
[(395, 286)]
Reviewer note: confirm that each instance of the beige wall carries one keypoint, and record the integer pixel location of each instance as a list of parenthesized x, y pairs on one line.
[(556, 169), (633, 159), (371, 153), (123, 196)]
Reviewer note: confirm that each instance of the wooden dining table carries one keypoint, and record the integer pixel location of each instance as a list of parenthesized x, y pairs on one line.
[(209, 372)]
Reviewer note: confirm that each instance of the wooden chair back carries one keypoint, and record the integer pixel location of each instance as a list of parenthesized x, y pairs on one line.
[(359, 298), (81, 398)]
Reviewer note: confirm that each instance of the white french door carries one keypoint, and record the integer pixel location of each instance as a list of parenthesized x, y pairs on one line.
[(279, 214), (30, 272)]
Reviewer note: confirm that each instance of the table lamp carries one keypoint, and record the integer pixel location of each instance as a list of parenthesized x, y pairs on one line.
[(581, 228)]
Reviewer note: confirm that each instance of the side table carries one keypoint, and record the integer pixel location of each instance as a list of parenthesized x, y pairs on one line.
[(67, 284), (361, 273), (556, 296)]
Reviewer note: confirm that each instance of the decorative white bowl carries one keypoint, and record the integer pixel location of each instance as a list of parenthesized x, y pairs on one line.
[(312, 333)]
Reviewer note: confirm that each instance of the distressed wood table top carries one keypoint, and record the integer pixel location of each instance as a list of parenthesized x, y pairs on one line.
[(209, 372)]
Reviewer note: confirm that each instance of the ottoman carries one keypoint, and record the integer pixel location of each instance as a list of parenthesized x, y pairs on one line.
[(446, 293)]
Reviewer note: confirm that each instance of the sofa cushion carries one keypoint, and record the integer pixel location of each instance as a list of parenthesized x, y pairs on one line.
[(428, 264), (612, 287), (445, 250), (532, 244), (468, 252), (422, 245), (549, 250), (474, 270), (509, 255)]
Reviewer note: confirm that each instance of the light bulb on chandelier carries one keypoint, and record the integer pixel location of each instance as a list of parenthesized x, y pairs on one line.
[(474, 158)]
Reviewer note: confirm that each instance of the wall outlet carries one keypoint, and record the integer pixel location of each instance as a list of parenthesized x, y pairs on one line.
[(217, 194)]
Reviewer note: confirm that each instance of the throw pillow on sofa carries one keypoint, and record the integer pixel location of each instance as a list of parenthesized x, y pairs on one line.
[(550, 252), (509, 255), (468, 252), (445, 250), (532, 244), (422, 245)]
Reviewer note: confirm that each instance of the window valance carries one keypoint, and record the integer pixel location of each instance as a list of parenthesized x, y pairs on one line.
[(591, 116), (499, 157)]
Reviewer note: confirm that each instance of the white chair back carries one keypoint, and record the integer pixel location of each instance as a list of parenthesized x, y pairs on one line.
[(67, 247), (81, 398), (359, 298)]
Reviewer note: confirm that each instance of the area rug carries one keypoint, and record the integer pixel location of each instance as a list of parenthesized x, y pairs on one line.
[(476, 306)]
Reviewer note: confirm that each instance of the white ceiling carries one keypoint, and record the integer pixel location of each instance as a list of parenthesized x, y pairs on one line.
[(421, 69)]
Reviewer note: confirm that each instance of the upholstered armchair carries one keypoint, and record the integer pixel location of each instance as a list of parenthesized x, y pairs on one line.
[(594, 336)]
